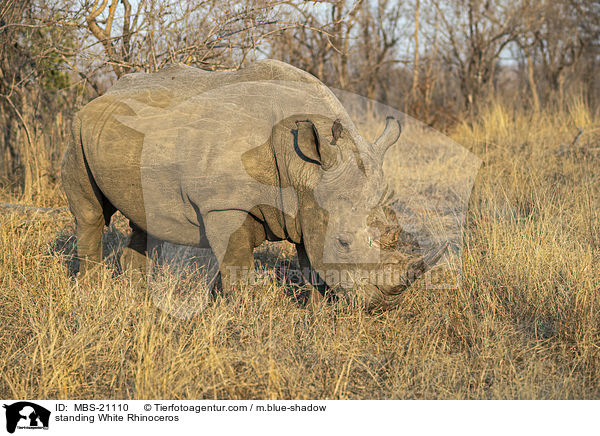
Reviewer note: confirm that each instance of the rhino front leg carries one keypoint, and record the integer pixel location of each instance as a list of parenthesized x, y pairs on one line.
[(317, 290), (233, 235)]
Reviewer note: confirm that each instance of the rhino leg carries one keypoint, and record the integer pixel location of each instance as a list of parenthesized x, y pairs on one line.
[(135, 255), (133, 258), (89, 242), (317, 290), (89, 207), (233, 244)]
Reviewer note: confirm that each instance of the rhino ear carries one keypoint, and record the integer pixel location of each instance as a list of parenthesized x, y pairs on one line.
[(309, 145)]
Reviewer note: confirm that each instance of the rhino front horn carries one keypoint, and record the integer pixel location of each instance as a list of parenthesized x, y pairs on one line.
[(429, 261), (390, 135), (416, 270)]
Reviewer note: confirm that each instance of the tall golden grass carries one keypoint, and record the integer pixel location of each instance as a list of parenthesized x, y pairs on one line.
[(525, 323)]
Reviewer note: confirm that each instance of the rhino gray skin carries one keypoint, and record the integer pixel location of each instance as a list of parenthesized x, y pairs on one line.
[(227, 160)]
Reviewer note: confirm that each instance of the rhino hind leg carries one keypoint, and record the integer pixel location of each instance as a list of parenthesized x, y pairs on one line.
[(133, 258), (135, 255), (89, 207), (90, 219), (89, 243)]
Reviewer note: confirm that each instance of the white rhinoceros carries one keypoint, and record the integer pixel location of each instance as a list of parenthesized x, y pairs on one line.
[(227, 160)]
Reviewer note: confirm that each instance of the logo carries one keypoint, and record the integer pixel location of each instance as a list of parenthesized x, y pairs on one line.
[(26, 415)]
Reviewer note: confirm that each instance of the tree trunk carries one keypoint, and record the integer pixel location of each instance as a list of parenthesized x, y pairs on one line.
[(415, 82), (531, 79)]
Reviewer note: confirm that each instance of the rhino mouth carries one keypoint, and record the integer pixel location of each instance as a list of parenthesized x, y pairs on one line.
[(389, 296)]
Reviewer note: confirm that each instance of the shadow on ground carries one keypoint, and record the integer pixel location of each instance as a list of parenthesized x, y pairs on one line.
[(272, 258)]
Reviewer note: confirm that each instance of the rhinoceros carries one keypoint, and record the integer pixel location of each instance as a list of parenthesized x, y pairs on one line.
[(227, 160)]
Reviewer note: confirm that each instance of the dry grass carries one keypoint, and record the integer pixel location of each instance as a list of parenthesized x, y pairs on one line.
[(524, 324)]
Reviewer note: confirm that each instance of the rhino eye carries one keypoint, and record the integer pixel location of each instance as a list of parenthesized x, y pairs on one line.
[(344, 241)]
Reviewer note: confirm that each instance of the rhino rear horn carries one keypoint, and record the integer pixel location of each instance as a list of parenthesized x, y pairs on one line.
[(390, 135)]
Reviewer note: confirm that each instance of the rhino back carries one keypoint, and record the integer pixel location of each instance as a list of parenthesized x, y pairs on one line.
[(183, 81)]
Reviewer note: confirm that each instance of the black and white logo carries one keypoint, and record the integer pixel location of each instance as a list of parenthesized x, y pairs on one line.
[(26, 415)]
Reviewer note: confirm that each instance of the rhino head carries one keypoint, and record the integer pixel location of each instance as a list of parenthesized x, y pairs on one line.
[(349, 232)]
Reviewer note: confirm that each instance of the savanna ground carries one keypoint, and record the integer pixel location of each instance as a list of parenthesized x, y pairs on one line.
[(525, 323)]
